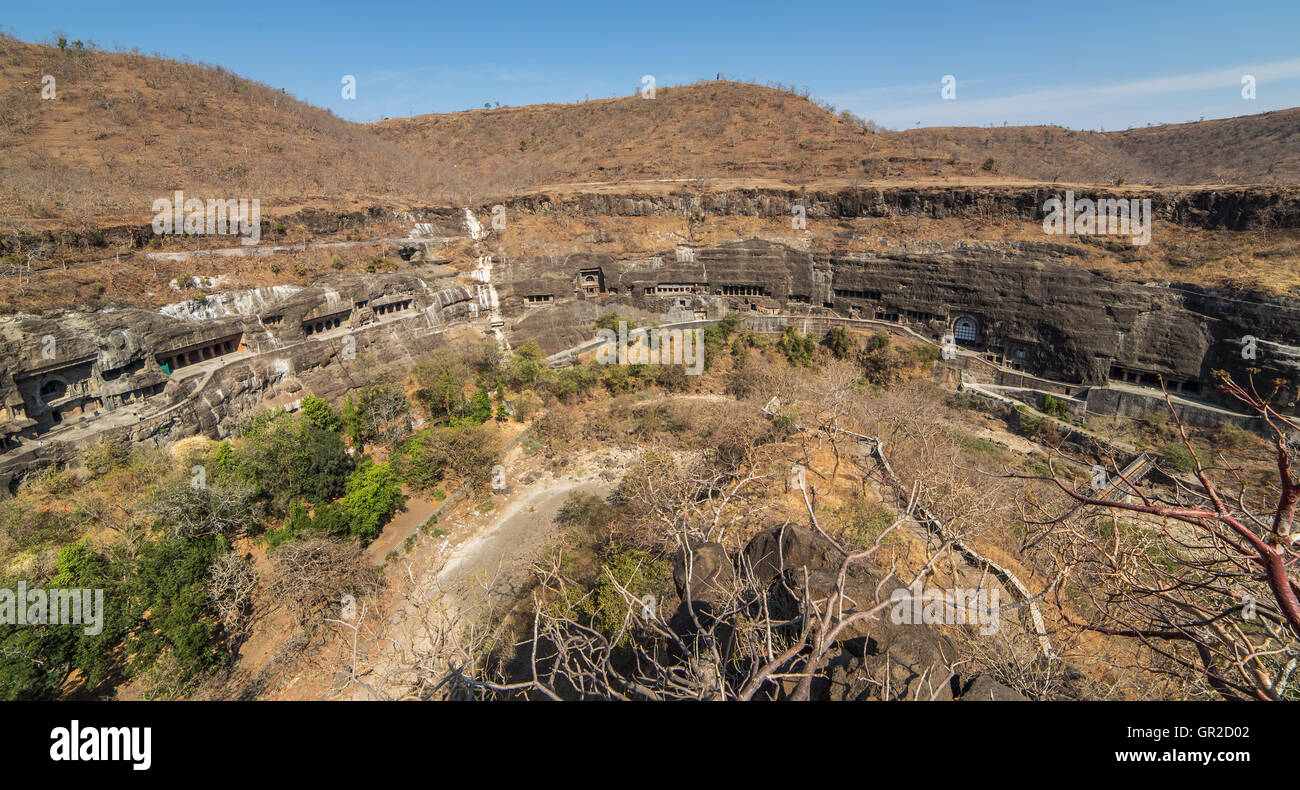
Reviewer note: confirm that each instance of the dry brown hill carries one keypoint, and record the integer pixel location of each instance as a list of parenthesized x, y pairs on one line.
[(1251, 149), (706, 130), (124, 129), (1039, 153), (729, 130), (127, 128)]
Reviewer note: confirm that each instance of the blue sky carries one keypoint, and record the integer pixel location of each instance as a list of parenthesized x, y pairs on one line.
[(1091, 65)]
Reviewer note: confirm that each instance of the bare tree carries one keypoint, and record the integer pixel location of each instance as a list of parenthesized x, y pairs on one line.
[(232, 583), (734, 637), (197, 510), (1200, 572), (309, 575), (765, 623)]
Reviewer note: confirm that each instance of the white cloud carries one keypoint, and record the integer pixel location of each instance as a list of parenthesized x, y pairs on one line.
[(1049, 105)]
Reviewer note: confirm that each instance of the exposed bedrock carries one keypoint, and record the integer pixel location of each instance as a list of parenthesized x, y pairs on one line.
[(202, 366), (1228, 208), (65, 380), (1239, 208), (1035, 312), (438, 221)]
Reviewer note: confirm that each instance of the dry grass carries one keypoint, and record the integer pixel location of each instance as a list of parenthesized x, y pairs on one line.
[(1252, 149), (706, 130), (126, 128)]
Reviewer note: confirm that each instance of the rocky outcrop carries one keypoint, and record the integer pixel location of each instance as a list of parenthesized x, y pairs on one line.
[(1241, 208), (1031, 309), (201, 366), (1237, 208)]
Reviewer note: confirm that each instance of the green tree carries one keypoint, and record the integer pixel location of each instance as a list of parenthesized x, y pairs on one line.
[(798, 348), (290, 459), (716, 336), (524, 369), (503, 411), (611, 321), (838, 342), (374, 494), (1056, 407), (441, 388), (168, 594), (479, 409), (36, 662), (321, 414), (381, 413)]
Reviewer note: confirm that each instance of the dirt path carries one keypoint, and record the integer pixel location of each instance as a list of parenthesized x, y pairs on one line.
[(416, 511), (493, 566)]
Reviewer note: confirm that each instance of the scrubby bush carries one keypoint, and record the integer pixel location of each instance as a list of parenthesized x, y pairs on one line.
[(1056, 407), (104, 457), (638, 572), (611, 321), (572, 383), (838, 342), (797, 347), (467, 452), (1177, 456), (881, 363), (587, 513)]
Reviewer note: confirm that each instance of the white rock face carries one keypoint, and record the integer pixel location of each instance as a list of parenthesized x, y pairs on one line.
[(473, 226), (241, 303)]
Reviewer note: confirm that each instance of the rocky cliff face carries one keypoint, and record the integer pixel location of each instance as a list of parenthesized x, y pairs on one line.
[(1239, 208), (1227, 209), (1034, 311), (196, 366), (200, 367)]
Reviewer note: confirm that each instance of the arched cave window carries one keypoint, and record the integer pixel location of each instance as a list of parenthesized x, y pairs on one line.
[(53, 390), (965, 331)]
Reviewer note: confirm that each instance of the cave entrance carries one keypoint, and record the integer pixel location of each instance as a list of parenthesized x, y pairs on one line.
[(53, 389)]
